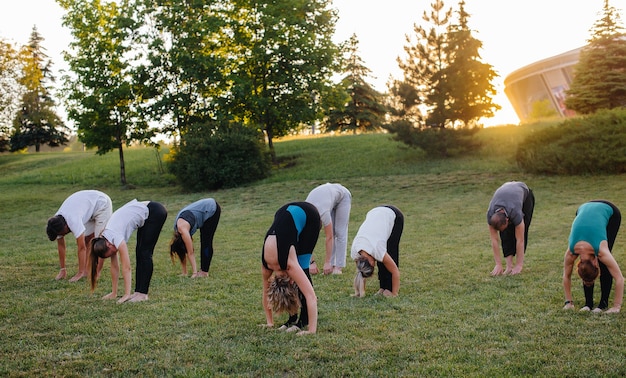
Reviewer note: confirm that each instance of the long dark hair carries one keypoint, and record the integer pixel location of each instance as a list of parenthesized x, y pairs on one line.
[(178, 248)]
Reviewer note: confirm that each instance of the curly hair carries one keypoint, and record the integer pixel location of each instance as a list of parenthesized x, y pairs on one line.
[(282, 295), (588, 272), (178, 248)]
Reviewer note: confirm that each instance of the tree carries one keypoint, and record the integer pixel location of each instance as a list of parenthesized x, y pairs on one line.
[(599, 76), (103, 97), (423, 67), (285, 58), (186, 51), (36, 122), (469, 81), (363, 110), (10, 91)]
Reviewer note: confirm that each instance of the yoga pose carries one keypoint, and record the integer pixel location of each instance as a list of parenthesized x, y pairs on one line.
[(285, 258), (591, 238), (509, 215), (204, 215), (84, 214), (378, 241), (147, 218)]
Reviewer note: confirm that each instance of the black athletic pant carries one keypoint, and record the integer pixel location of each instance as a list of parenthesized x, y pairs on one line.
[(147, 237), (606, 279), (507, 237), (393, 249), (207, 232)]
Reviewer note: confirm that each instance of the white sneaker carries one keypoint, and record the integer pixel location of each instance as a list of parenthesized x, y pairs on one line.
[(586, 308)]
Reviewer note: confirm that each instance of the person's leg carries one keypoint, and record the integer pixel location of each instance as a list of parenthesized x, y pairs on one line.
[(341, 219), (147, 237), (207, 233), (304, 312), (606, 281), (508, 242), (588, 296), (528, 208)]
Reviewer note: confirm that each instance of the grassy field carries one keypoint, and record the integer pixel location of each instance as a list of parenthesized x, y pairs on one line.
[(451, 318)]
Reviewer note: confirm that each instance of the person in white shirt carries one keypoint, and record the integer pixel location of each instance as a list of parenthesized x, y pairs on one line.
[(377, 242), (84, 214), (147, 218), (333, 202)]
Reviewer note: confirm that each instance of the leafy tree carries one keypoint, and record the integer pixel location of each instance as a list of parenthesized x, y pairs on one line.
[(10, 90), (186, 49), (469, 81), (103, 96), (599, 76), (363, 110), (285, 59), (36, 122)]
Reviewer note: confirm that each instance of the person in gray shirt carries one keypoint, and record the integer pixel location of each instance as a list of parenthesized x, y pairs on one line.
[(508, 216)]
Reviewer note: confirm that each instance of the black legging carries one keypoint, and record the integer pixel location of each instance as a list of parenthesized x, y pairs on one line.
[(207, 232), (606, 279), (393, 249), (507, 237), (147, 237)]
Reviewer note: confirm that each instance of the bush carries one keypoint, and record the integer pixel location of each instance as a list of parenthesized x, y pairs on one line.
[(595, 144), (225, 156), (436, 142)]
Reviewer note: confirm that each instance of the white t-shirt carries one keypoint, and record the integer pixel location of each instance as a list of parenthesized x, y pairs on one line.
[(80, 208), (325, 198), (124, 221), (373, 234)]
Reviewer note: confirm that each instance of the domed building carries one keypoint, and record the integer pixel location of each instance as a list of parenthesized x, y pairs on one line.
[(540, 87)]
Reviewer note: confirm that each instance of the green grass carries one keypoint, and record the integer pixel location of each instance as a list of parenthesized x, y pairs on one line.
[(451, 318)]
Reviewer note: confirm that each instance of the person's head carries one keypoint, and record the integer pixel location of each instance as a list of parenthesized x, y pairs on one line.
[(177, 247), (56, 227), (588, 271), (499, 220), (100, 248), (364, 269), (282, 295)]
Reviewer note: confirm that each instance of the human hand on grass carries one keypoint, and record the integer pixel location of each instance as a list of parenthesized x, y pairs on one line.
[(497, 270), (613, 310), (569, 306), (125, 298)]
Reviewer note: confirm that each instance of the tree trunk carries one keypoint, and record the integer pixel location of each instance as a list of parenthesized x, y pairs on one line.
[(122, 166), (270, 143)]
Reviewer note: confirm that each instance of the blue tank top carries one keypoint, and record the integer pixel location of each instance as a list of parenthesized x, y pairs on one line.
[(590, 225)]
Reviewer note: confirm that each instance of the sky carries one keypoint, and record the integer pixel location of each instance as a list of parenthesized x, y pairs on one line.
[(514, 33)]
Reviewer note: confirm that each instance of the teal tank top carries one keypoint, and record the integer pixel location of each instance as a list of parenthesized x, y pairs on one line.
[(590, 225)]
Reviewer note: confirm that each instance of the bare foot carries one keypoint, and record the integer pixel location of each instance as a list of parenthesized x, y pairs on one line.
[(200, 274), (337, 270), (62, 274), (78, 276), (138, 297)]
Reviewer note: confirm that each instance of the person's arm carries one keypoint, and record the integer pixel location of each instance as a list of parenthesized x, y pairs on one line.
[(607, 259), (568, 266), (519, 248), (61, 248), (126, 273), (395, 274), (298, 276), (269, 317), (82, 258), (495, 246), (330, 239), (183, 228), (115, 274)]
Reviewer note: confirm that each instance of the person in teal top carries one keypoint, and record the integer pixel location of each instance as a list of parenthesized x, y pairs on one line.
[(592, 237)]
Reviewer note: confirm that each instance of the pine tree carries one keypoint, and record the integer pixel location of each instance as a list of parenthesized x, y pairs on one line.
[(599, 76), (363, 110), (37, 123), (469, 81)]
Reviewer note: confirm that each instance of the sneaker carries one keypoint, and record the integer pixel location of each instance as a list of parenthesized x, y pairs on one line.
[(597, 310), (586, 308), (293, 328)]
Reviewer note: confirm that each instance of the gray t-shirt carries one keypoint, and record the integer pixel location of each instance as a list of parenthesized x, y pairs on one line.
[(510, 197), (197, 213)]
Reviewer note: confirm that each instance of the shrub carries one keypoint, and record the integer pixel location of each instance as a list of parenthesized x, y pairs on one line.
[(212, 156), (436, 142), (595, 144)]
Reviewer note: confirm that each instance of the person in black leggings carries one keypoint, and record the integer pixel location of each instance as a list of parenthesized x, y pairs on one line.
[(285, 258)]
